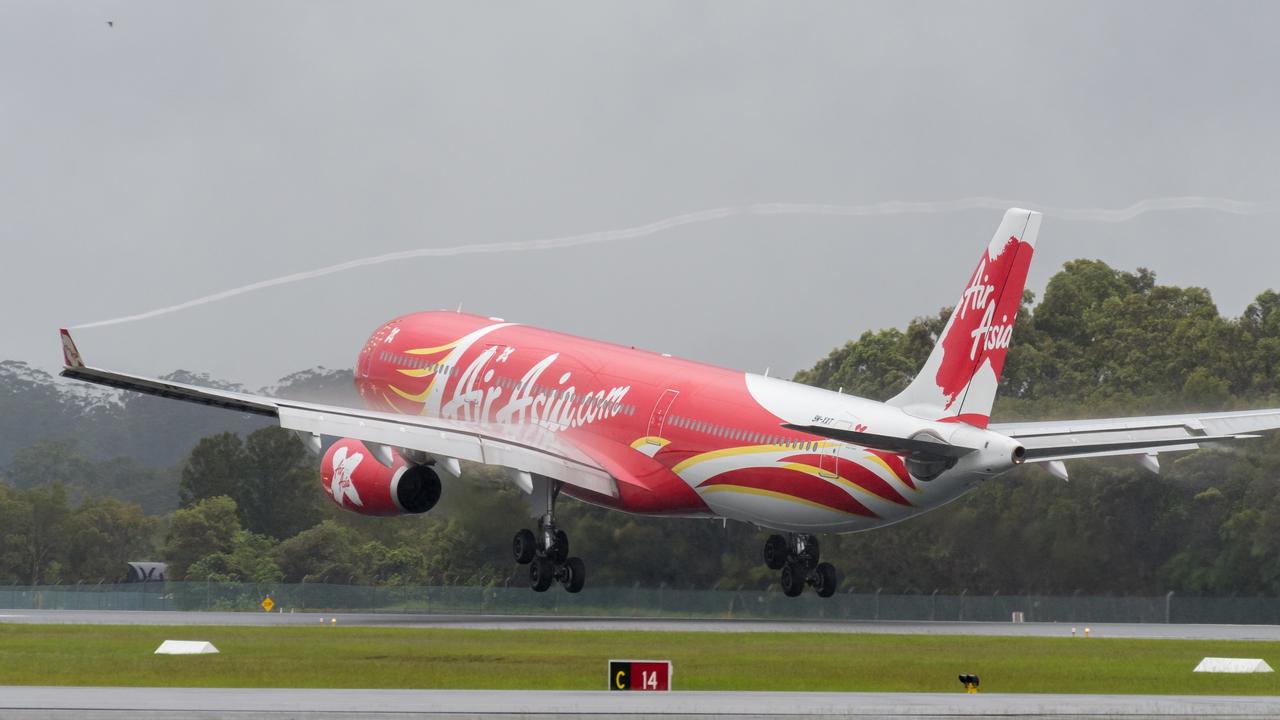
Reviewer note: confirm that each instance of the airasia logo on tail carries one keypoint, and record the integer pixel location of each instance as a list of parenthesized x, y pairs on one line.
[(982, 325), (978, 298)]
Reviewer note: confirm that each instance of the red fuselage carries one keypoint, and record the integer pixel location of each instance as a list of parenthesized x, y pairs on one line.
[(679, 432)]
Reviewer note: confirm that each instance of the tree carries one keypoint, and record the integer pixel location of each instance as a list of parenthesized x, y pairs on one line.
[(214, 468), (104, 535), (249, 560), (323, 553), (279, 491), (47, 462), (208, 527)]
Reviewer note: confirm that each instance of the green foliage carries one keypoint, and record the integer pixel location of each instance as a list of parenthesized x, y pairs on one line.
[(208, 527), (277, 490), (213, 469), (248, 560), (44, 540), (269, 475)]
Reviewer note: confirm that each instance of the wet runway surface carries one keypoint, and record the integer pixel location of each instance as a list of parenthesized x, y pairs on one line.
[(113, 703), (507, 622)]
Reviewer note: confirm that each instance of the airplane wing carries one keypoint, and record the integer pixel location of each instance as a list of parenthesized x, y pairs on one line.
[(525, 448), (1054, 441)]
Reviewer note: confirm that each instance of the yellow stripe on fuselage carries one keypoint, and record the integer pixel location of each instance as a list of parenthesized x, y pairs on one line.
[(741, 450), (421, 372), (428, 351), (726, 452), (774, 495), (419, 398)]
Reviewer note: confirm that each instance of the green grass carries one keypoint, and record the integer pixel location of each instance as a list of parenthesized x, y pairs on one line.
[(447, 658)]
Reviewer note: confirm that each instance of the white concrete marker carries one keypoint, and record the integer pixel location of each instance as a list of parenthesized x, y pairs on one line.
[(185, 647), (1233, 665)]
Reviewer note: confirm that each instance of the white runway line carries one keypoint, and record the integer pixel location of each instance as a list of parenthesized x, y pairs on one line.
[(1224, 205)]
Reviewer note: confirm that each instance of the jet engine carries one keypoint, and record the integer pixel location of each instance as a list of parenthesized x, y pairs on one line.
[(356, 480)]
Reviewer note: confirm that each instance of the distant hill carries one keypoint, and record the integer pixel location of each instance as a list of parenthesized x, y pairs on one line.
[(121, 443)]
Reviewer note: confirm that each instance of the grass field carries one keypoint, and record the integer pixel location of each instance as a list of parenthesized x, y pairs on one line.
[(324, 656)]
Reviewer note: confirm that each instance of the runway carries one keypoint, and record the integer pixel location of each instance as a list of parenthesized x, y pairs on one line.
[(510, 622), (117, 703)]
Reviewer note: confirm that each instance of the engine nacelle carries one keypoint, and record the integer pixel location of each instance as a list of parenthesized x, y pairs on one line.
[(355, 480)]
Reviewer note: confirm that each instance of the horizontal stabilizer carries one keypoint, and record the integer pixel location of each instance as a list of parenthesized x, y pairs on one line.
[(921, 444), (1079, 450)]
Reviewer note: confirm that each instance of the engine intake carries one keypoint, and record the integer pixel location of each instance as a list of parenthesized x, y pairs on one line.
[(355, 480)]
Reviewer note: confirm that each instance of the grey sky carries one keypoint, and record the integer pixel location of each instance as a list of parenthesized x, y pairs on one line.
[(199, 146)]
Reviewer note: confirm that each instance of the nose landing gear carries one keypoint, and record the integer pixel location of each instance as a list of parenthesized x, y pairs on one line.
[(547, 553), (796, 555)]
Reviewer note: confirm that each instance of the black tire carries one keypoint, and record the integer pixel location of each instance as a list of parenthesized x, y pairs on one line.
[(524, 547), (792, 580), (775, 552), (575, 574), (559, 550), (541, 574), (826, 580)]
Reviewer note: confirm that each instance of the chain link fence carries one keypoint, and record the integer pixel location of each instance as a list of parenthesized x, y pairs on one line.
[(642, 602)]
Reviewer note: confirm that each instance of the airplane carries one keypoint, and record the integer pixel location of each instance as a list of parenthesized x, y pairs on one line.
[(651, 434)]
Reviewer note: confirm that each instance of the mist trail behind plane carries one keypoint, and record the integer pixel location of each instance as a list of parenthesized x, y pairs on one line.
[(1235, 207)]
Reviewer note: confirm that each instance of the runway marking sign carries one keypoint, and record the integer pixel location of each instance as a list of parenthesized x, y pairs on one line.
[(650, 675), (1233, 665)]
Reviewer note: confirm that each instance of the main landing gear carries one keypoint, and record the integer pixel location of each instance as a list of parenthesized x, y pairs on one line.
[(796, 555), (547, 553)]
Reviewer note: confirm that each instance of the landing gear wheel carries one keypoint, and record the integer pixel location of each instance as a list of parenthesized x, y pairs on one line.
[(524, 547), (541, 573), (559, 549), (792, 580), (574, 574), (775, 552), (825, 580)]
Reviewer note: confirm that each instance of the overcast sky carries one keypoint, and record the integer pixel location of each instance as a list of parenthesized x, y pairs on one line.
[(199, 146)]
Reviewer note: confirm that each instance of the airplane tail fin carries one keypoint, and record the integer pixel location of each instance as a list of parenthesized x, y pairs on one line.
[(958, 382)]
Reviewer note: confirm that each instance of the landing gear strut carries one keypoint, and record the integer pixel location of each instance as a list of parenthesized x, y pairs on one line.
[(796, 555), (547, 552)]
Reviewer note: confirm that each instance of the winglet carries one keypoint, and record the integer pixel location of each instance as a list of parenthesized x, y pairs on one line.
[(70, 355)]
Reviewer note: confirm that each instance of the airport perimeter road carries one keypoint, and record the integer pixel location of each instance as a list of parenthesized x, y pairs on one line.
[(508, 622), (116, 703)]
